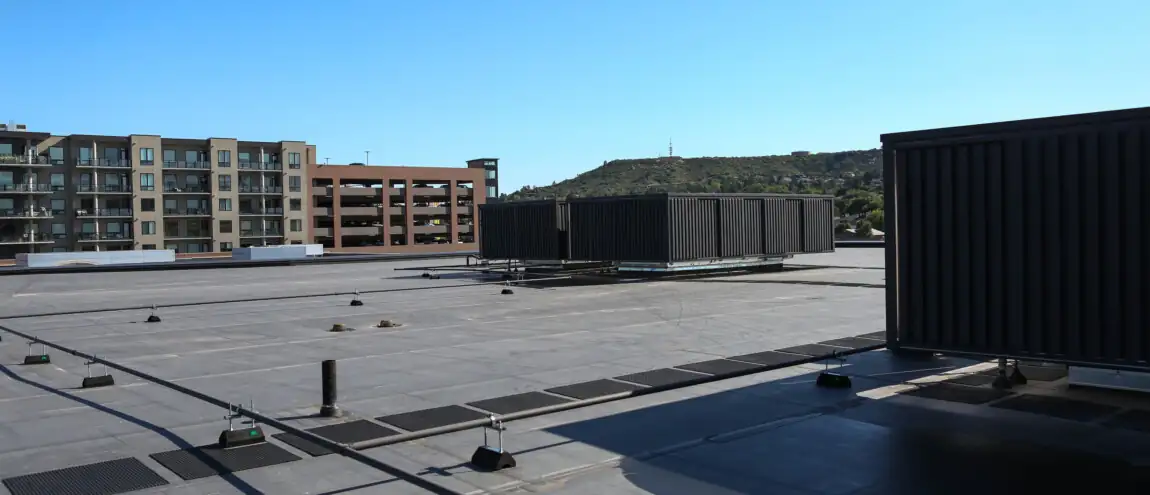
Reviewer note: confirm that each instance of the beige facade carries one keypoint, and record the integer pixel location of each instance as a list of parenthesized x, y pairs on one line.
[(108, 193)]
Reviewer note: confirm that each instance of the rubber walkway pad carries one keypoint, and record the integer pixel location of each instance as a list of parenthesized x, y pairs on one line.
[(101, 478), (770, 358), (594, 388), (210, 460), (1134, 419), (972, 379), (435, 417), (350, 432), (873, 335), (718, 366), (1058, 407), (852, 342), (1036, 373), (659, 377), (813, 350), (958, 393), (518, 402)]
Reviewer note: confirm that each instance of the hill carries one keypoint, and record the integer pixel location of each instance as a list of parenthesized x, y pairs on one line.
[(854, 177)]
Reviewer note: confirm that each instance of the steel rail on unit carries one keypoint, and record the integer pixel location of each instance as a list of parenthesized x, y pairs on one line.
[(337, 447)]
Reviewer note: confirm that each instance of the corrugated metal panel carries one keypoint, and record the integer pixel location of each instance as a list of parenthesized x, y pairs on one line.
[(818, 225), (1022, 239), (630, 228), (694, 228), (525, 230)]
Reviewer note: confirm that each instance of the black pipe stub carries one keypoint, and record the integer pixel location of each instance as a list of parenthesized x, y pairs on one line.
[(507, 291), (340, 327), (389, 324), (241, 436), (153, 319), (426, 275), (487, 458), (827, 379), (98, 381)]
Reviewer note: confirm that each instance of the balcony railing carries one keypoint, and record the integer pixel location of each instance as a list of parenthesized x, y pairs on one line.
[(104, 236), (27, 213), (183, 164), (263, 233), (187, 188), (261, 189), (28, 188), (26, 160), (26, 238), (105, 212), (103, 163), (265, 211), (105, 188), (242, 165), (191, 212)]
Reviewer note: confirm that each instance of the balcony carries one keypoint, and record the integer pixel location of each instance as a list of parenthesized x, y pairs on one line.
[(322, 211), (187, 189), (27, 188), (187, 165), (463, 229), (360, 230), (26, 213), (103, 163), (104, 237), (429, 210), (105, 213), (430, 229), (321, 231), (362, 211), (261, 233), (321, 190), (187, 212), (464, 191), (428, 191), (257, 166), (37, 238), (397, 210), (261, 189), (27, 161), (190, 236), (104, 189), (265, 211)]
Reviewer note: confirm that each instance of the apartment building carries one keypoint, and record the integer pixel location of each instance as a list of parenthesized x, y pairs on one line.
[(381, 209), (106, 193)]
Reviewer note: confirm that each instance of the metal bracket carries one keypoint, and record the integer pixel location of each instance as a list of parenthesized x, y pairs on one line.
[(89, 364), (496, 424)]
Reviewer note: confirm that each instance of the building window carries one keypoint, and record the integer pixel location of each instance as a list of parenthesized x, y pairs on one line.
[(147, 156), (296, 204), (224, 158), (147, 182), (148, 228), (226, 227), (225, 204), (59, 230), (225, 182), (225, 246), (293, 160), (59, 250), (56, 155), (490, 174), (297, 225), (147, 204), (149, 247), (169, 158), (293, 183), (491, 191), (57, 181), (58, 207)]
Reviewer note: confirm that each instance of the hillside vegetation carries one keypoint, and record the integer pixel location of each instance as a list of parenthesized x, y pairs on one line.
[(853, 177)]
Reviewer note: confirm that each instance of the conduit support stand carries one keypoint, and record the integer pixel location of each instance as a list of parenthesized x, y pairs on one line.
[(507, 289), (152, 318), (1001, 381), (355, 299), (828, 379), (492, 458), (104, 380), (41, 358), (1016, 376), (248, 435)]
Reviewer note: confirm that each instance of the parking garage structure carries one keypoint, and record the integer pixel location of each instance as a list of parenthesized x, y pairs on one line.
[(392, 209)]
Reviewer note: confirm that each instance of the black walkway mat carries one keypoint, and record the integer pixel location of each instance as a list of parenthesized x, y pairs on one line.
[(1045, 373), (518, 402), (435, 417), (101, 478), (1058, 407), (958, 393), (873, 335), (1134, 419), (718, 366), (350, 432), (972, 379), (813, 350), (210, 460), (770, 358), (851, 342), (659, 377), (594, 388)]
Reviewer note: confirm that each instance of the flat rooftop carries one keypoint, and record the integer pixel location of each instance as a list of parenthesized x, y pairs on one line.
[(461, 345)]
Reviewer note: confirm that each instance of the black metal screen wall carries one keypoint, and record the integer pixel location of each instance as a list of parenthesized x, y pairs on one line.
[(1023, 242)]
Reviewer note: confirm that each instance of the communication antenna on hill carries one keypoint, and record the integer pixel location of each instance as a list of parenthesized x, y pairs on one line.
[(670, 148)]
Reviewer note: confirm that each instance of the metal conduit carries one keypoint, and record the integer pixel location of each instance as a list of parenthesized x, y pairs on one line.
[(273, 298), (340, 448)]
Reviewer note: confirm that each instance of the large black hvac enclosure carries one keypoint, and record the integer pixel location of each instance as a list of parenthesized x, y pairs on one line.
[(658, 228), (1022, 239)]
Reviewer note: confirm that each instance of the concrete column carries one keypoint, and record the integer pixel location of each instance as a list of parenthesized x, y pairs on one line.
[(336, 228), (452, 212), (263, 203), (385, 210), (409, 215), (96, 191)]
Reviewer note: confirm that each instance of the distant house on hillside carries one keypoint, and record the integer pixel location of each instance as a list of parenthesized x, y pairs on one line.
[(800, 153)]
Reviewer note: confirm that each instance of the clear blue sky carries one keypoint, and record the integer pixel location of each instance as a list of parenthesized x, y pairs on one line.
[(554, 88)]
